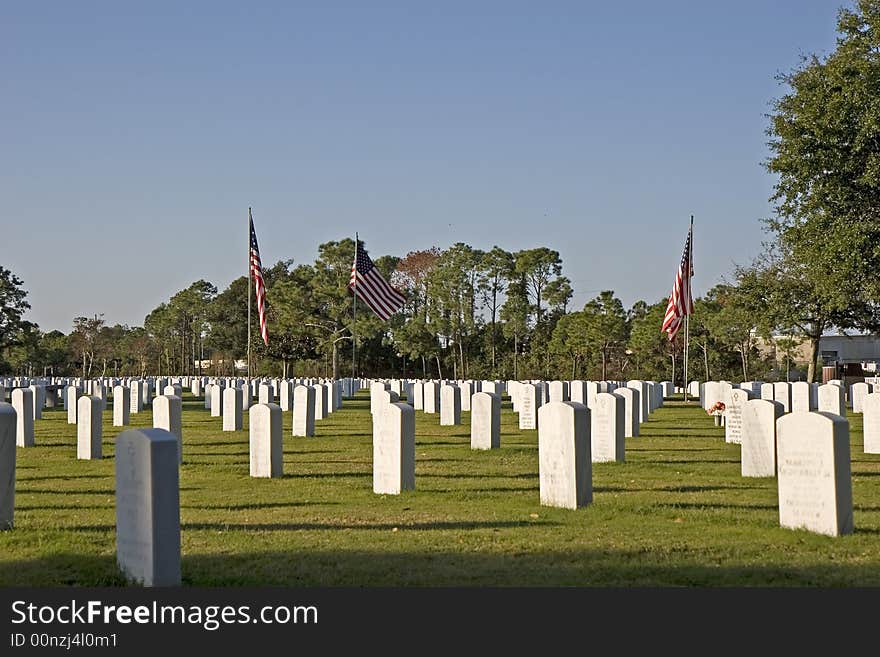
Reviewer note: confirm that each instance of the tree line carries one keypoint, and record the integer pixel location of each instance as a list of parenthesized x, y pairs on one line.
[(473, 313)]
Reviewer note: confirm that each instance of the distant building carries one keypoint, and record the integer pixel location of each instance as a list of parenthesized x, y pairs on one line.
[(841, 356)]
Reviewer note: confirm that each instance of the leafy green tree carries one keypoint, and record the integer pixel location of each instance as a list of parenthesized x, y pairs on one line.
[(826, 153), (605, 328), (570, 340), (12, 306), (85, 340), (650, 350), (495, 268)]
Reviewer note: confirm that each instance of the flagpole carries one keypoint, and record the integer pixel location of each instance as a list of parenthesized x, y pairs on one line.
[(354, 305), (250, 223), (687, 323)]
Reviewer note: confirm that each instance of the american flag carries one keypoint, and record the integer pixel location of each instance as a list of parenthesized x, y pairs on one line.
[(368, 285), (259, 284), (681, 301)]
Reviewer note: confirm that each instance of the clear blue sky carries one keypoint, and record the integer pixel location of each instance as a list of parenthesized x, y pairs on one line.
[(134, 136)]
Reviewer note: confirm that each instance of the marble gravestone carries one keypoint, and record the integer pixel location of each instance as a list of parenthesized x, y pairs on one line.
[(485, 421), (217, 401), (23, 403), (71, 395), (303, 411), (89, 427), (857, 393), (394, 449), (831, 399), (801, 394), (733, 424), (266, 457), (418, 397), (320, 401), (607, 428), (450, 405), (8, 424), (467, 391), (630, 410), (529, 403), (168, 415), (782, 394), (814, 473), (232, 409), (871, 423), (758, 451), (564, 462), (148, 507), (431, 397), (121, 406)]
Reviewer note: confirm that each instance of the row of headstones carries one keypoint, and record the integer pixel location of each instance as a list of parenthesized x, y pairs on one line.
[(810, 448), (794, 396), (308, 404), (640, 399)]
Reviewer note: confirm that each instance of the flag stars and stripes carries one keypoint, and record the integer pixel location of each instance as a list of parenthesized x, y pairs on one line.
[(259, 283), (681, 301), (368, 285)]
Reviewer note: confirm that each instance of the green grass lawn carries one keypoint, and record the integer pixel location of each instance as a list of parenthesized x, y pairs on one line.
[(677, 513)]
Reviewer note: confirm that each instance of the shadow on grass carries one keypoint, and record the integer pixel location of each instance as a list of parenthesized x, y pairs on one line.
[(65, 477), (364, 568), (254, 506), (711, 505)]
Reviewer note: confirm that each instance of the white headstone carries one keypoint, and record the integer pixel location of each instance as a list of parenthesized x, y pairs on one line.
[(578, 392), (320, 401), (418, 400), (394, 449), (630, 410), (431, 397), (607, 428), (121, 406), (232, 409), (39, 393), (264, 394), (564, 464), (767, 391), (303, 411), (558, 391), (266, 456), (466, 389), (71, 395), (733, 422), (8, 422), (285, 395), (711, 394), (814, 473), (217, 401), (800, 396), (89, 427), (23, 403), (168, 415), (831, 399), (857, 394), (758, 452), (782, 394), (529, 403), (871, 423), (450, 405), (148, 507), (485, 421)]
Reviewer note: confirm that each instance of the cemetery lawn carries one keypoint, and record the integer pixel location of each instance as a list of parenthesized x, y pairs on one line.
[(677, 513)]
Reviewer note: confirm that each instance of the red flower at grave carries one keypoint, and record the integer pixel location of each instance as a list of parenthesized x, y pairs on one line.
[(717, 408)]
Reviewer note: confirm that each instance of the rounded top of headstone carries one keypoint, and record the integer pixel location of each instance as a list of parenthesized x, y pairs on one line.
[(809, 420)]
